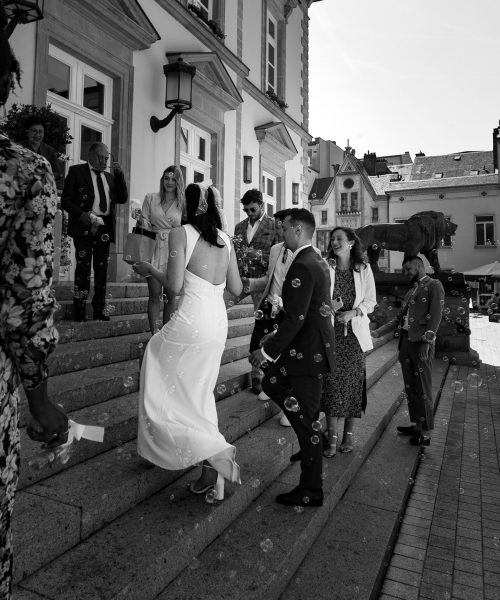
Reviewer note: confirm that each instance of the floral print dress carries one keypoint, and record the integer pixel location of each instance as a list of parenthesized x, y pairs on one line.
[(344, 390), (27, 335)]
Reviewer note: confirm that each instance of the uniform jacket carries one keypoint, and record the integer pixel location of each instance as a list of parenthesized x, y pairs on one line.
[(78, 197), (425, 308), (304, 340), (365, 300)]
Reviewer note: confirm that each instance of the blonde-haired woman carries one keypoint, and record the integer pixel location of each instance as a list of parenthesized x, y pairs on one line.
[(161, 212)]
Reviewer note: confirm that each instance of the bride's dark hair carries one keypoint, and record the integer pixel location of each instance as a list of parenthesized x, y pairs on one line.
[(206, 222)]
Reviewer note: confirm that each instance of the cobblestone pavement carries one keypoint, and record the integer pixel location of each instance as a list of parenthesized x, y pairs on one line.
[(449, 543)]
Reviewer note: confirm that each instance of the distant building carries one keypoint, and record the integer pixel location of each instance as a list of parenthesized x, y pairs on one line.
[(463, 186)]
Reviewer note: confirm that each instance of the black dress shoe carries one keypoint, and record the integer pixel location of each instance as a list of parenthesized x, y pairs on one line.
[(300, 496), (256, 386), (407, 430), (420, 440), (101, 317)]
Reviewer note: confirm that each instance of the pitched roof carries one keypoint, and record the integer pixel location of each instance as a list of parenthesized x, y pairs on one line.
[(380, 183), (320, 188), (459, 164), (467, 180)]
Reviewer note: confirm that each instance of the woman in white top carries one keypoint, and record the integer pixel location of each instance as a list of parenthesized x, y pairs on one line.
[(161, 212), (344, 390), (178, 425)]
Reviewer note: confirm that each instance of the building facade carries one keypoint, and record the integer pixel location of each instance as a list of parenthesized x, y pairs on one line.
[(100, 66)]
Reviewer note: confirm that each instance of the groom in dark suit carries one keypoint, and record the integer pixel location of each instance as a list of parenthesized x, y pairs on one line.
[(90, 195), (301, 350)]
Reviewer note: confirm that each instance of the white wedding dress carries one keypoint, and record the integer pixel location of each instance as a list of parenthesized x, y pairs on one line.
[(178, 425)]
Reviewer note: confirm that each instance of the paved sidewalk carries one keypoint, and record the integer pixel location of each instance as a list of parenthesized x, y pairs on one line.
[(449, 543)]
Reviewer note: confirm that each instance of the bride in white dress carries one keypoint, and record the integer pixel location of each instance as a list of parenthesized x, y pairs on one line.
[(178, 424)]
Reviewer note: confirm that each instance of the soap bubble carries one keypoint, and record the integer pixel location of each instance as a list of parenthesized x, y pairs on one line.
[(291, 404), (316, 425), (296, 282), (314, 439), (474, 380), (318, 358), (266, 545), (105, 237), (258, 314), (457, 386), (173, 253), (293, 352)]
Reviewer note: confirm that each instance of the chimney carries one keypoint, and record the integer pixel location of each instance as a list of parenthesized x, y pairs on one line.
[(418, 154), (496, 143), (370, 163)]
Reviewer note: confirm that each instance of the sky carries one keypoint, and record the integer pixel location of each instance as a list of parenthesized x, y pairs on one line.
[(405, 75)]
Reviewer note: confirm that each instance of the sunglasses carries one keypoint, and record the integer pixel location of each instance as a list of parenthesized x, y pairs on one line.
[(251, 210)]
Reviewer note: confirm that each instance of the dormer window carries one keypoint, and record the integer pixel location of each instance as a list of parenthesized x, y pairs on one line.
[(474, 172)]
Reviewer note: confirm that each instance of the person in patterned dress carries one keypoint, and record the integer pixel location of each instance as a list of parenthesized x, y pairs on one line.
[(344, 389), (27, 335)]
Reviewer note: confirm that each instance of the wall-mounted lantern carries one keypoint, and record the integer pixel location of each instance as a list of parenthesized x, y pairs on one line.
[(247, 169), (178, 93), (22, 12)]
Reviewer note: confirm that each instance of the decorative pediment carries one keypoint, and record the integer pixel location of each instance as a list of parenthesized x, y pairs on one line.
[(276, 135), (211, 76), (350, 164), (129, 16)]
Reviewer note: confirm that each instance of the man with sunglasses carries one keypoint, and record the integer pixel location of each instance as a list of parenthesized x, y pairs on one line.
[(256, 234)]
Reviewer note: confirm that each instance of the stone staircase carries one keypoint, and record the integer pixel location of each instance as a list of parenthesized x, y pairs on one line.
[(107, 525)]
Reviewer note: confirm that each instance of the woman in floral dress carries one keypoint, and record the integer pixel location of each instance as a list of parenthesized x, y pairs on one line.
[(27, 334), (344, 390)]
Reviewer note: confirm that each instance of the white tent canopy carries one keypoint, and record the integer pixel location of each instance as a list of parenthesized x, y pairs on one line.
[(489, 270)]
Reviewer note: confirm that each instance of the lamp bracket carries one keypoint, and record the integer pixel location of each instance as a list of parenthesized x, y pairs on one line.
[(157, 124)]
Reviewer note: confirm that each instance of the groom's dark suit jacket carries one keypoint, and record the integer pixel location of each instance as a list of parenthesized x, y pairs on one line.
[(78, 197), (307, 329)]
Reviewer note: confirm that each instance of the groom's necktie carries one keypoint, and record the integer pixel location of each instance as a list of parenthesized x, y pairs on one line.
[(103, 203), (285, 255)]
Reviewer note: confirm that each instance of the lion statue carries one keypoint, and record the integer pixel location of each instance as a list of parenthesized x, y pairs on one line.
[(422, 233)]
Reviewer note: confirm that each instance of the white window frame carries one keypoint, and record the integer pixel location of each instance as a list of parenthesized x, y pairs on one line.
[(477, 221), (444, 244), (189, 159), (272, 41), (207, 6), (269, 201), (72, 108)]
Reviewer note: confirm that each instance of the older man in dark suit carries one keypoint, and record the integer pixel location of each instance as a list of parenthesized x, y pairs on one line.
[(90, 195), (254, 237), (301, 350), (418, 322)]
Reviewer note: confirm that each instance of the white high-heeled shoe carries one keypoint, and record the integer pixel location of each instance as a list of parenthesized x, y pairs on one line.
[(216, 491)]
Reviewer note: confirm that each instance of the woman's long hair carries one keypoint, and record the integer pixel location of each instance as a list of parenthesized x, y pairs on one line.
[(357, 258), (179, 191), (207, 222)]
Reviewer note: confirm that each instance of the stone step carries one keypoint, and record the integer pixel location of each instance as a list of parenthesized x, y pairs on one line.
[(138, 305), (71, 331), (353, 550), (118, 414), (64, 291), (260, 562), (119, 480), (263, 465), (88, 354)]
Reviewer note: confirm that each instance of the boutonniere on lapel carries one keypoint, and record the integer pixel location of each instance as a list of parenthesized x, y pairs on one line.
[(332, 263)]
